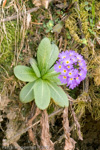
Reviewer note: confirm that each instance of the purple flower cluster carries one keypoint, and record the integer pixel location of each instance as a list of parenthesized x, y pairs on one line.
[(72, 68)]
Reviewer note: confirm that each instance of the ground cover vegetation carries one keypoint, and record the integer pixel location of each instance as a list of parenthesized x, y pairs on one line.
[(71, 26)]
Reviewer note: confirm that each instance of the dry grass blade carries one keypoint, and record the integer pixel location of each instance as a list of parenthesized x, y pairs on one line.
[(18, 15), (45, 135), (69, 142)]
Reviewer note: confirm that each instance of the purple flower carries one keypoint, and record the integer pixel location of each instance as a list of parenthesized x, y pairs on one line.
[(69, 67), (82, 63), (78, 80), (74, 59), (67, 61), (70, 81), (62, 56), (72, 53), (82, 75), (58, 67), (72, 86), (71, 73), (75, 72), (79, 57), (72, 67), (63, 79), (64, 71)]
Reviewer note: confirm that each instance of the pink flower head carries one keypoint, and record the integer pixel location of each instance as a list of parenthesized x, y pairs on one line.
[(72, 67)]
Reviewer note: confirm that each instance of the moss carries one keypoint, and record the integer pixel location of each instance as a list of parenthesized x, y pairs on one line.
[(7, 43)]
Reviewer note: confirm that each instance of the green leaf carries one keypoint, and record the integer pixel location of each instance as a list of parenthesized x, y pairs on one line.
[(84, 41), (54, 79), (34, 66), (58, 95), (50, 73), (53, 55), (43, 54), (27, 93), (42, 94), (24, 73), (57, 28), (52, 76)]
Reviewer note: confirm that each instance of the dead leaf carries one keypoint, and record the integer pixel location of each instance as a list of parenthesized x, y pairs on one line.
[(62, 5), (98, 26), (1, 119), (3, 102), (39, 3), (28, 20)]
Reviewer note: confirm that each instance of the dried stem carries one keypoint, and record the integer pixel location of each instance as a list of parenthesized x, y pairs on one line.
[(30, 131), (45, 135), (69, 142), (76, 122), (18, 15)]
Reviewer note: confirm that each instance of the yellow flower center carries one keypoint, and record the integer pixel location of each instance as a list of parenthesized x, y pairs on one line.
[(64, 77), (76, 77), (65, 71), (60, 67), (64, 57), (71, 78), (70, 73), (68, 66), (67, 62)]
